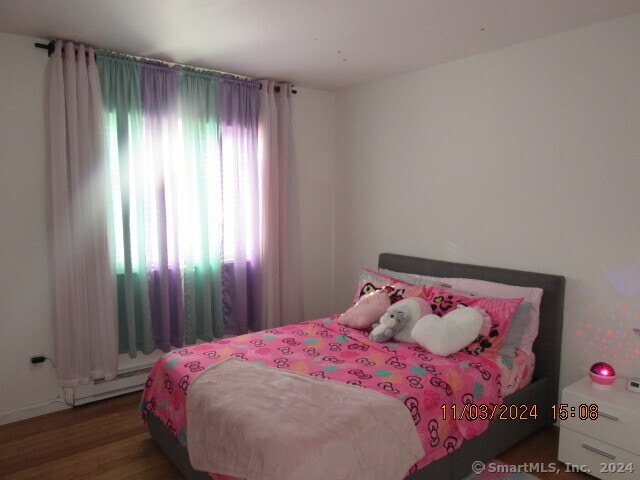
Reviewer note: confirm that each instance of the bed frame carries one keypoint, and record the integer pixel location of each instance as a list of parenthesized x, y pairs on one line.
[(501, 435)]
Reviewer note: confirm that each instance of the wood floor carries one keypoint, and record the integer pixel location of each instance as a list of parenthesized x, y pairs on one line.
[(107, 440)]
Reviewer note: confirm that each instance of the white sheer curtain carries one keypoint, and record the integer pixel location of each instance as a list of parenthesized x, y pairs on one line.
[(85, 299), (264, 287), (281, 270)]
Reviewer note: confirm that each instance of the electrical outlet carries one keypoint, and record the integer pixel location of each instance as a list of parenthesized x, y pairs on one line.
[(37, 361)]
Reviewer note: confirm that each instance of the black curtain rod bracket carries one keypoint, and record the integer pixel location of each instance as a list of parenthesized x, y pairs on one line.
[(49, 47)]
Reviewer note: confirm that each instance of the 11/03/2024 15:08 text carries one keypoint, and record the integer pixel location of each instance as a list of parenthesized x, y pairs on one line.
[(481, 411)]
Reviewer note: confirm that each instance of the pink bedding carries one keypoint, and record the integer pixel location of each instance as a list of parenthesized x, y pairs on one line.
[(267, 420), (515, 372), (427, 384)]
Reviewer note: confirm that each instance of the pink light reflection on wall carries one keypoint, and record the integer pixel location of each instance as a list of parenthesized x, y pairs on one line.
[(604, 328)]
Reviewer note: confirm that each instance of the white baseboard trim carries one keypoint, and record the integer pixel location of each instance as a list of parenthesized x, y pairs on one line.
[(29, 411), (130, 379)]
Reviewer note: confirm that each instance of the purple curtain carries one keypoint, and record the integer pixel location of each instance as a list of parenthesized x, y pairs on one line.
[(239, 108), (183, 151), (159, 94)]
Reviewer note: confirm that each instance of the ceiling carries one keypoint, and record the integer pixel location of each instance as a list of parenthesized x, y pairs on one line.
[(323, 44)]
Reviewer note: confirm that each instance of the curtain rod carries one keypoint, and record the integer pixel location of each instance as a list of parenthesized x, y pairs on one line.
[(51, 46)]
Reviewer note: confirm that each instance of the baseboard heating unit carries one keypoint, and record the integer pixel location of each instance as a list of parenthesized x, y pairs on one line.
[(127, 380)]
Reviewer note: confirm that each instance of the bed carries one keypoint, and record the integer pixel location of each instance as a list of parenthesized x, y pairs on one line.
[(541, 393)]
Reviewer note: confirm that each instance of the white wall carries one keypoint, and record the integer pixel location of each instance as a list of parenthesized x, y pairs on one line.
[(26, 324), (526, 157), (314, 118)]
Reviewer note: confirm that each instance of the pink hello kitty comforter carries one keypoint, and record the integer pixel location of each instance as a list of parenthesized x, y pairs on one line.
[(428, 385)]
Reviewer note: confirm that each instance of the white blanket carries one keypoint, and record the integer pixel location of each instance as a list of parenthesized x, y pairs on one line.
[(261, 423)]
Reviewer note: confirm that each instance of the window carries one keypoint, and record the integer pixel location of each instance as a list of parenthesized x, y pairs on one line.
[(181, 147)]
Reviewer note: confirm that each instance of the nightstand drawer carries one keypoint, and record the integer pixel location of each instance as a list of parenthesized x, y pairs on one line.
[(617, 423), (603, 460)]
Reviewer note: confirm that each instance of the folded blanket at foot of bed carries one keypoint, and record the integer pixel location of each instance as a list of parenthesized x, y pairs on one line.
[(252, 421)]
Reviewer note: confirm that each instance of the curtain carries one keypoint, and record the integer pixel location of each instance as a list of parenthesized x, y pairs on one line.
[(239, 142), (183, 149), (120, 80), (84, 297), (280, 247), (199, 97), (174, 207)]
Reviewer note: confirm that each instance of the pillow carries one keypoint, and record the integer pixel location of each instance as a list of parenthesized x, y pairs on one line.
[(444, 300), (448, 334), (514, 336), (370, 281), (516, 330), (524, 324), (485, 288), (524, 319), (398, 288), (486, 321), (413, 278), (366, 311)]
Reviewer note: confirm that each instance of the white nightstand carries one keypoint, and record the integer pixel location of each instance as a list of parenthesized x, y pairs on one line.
[(607, 443)]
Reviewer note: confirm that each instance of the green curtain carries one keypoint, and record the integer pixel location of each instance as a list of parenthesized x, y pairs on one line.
[(184, 234), (202, 279), (120, 82)]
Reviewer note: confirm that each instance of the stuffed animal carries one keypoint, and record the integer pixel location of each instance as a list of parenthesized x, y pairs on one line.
[(391, 322), (399, 319), (451, 332), (367, 310), (415, 308)]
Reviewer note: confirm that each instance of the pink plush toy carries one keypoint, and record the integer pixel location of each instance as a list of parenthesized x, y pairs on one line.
[(367, 310)]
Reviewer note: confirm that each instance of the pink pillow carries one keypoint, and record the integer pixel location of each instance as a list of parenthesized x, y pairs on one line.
[(444, 300), (371, 281), (367, 310), (532, 295)]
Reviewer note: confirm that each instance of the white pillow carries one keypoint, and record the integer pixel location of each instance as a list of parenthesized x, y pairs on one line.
[(450, 333), (414, 278)]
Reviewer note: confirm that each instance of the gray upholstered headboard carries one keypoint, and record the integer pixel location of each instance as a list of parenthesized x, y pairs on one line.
[(547, 346)]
